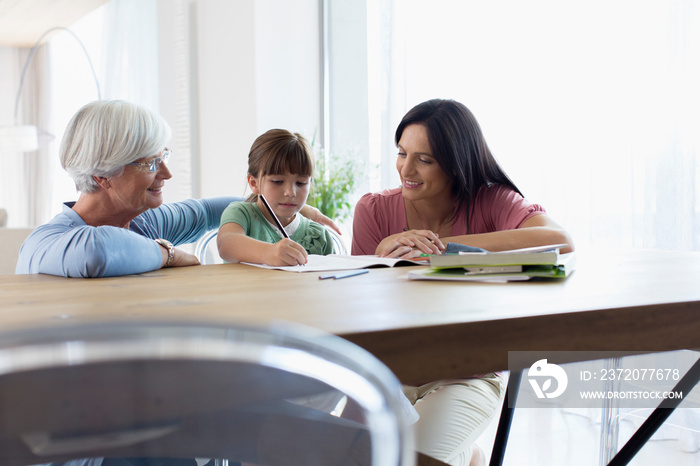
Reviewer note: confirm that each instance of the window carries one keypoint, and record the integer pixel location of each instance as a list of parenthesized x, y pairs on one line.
[(72, 85), (592, 108)]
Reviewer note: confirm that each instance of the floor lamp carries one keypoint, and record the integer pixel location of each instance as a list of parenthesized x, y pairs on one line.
[(25, 138)]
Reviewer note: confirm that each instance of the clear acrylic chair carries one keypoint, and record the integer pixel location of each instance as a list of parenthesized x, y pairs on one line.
[(156, 393), (207, 251)]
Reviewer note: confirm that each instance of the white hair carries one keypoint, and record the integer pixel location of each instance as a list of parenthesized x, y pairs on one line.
[(104, 136)]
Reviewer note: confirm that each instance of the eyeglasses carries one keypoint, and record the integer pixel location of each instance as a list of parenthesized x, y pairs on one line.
[(154, 164)]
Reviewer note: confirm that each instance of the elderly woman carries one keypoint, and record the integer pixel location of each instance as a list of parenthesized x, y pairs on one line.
[(116, 153), (452, 191)]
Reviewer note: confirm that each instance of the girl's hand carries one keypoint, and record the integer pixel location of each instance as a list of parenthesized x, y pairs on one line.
[(402, 244), (285, 252), (312, 213)]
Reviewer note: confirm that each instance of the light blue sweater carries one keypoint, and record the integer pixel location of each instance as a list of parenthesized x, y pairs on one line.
[(68, 247)]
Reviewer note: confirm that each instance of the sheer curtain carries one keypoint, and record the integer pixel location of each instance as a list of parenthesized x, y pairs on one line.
[(130, 51), (25, 178), (72, 85), (12, 163), (121, 39), (592, 108)]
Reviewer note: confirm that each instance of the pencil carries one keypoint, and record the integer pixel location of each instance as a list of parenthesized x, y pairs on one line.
[(274, 217), (339, 275)]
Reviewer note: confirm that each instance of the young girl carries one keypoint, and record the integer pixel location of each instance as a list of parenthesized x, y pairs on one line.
[(280, 167)]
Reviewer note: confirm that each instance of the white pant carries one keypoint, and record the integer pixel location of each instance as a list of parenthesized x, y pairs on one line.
[(453, 413)]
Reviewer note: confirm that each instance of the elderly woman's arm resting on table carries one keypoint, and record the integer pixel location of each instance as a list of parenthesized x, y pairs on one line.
[(68, 247)]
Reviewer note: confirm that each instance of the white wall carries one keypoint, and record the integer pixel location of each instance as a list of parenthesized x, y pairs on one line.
[(253, 65), (349, 84), (227, 71), (288, 65), (227, 92)]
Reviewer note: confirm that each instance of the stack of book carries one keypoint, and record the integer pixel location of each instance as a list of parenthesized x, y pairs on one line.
[(501, 266)]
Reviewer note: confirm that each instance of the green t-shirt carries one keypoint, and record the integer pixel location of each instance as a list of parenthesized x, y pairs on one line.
[(311, 235)]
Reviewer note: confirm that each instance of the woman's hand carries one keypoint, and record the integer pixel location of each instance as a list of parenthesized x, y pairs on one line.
[(410, 244), (183, 259), (285, 252), (539, 230), (312, 213), (406, 252)]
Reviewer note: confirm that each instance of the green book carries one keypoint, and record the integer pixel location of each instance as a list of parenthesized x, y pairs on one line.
[(562, 269), (540, 255)]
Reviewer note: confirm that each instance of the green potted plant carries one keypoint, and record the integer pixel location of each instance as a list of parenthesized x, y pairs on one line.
[(333, 185)]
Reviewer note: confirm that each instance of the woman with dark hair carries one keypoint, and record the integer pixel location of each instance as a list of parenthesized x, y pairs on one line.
[(452, 191)]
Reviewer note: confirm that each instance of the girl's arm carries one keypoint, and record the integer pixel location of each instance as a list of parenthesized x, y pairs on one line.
[(235, 246)]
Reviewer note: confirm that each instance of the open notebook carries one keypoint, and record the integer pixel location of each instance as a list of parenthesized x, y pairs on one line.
[(332, 262)]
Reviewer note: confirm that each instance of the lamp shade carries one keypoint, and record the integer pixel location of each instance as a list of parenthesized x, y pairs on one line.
[(24, 138)]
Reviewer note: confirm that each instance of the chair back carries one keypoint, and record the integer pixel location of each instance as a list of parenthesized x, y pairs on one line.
[(339, 246), (11, 239), (207, 252), (278, 395)]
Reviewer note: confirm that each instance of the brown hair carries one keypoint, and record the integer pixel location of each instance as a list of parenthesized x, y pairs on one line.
[(277, 152)]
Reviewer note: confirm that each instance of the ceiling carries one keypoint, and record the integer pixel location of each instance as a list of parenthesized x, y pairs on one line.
[(22, 22)]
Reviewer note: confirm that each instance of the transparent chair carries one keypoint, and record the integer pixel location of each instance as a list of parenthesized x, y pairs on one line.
[(207, 251), (155, 393)]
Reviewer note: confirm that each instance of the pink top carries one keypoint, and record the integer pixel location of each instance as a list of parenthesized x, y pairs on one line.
[(496, 208)]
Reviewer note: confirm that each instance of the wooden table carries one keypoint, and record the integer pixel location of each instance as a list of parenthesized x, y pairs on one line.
[(627, 301)]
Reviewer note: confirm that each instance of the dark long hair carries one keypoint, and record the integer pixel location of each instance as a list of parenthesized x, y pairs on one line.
[(458, 145)]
